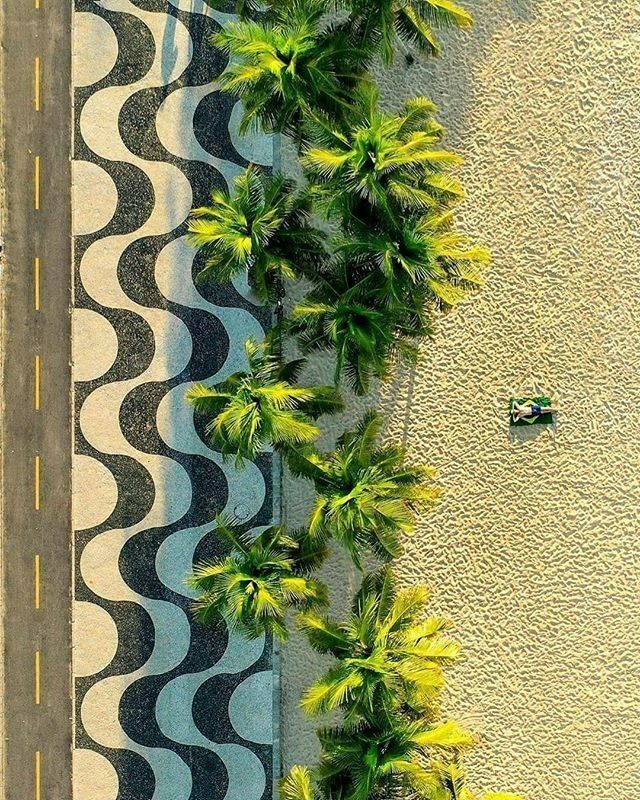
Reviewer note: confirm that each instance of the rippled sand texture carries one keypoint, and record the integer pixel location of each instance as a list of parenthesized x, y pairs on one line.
[(165, 708), (534, 549)]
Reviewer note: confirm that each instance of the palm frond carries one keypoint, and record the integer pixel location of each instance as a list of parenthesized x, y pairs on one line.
[(333, 690), (413, 21), (258, 408), (297, 784), (324, 635), (260, 228), (447, 734), (253, 587)]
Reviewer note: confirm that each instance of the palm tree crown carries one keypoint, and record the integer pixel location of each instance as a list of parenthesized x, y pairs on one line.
[(290, 65), (444, 780), (350, 311), (413, 21), (253, 587), (424, 262), (260, 407), (388, 655), (365, 493), (378, 760), (382, 164), (380, 22), (261, 228)]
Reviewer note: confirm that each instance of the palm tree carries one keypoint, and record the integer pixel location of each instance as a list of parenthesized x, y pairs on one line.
[(453, 779), (290, 65), (260, 407), (378, 760), (365, 493), (442, 781), (425, 255), (382, 165), (301, 783), (259, 581), (413, 21), (389, 655), (260, 228), (349, 312)]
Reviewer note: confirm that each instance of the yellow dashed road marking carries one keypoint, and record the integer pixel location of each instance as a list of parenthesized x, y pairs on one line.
[(36, 283), (36, 90), (36, 469), (38, 774), (37, 581), (36, 183), (37, 670), (36, 388)]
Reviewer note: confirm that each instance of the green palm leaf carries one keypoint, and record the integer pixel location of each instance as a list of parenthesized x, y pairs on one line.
[(261, 228), (380, 666), (413, 21), (254, 586), (363, 499), (452, 779), (334, 690), (420, 260), (257, 408), (351, 312), (377, 168), (386, 759), (324, 635), (446, 734), (291, 65), (297, 785)]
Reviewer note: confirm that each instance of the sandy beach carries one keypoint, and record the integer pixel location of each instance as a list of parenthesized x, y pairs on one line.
[(533, 550)]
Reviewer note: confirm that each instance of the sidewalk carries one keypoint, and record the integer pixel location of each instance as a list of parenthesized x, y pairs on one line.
[(166, 709)]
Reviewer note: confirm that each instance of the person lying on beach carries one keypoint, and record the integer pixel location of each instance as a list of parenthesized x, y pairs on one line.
[(521, 412)]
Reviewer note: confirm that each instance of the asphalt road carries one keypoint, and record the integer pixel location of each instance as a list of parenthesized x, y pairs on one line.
[(36, 413)]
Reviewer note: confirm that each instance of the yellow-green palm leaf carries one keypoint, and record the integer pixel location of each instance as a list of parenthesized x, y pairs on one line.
[(260, 229), (413, 21), (389, 657), (366, 495), (254, 586), (260, 408)]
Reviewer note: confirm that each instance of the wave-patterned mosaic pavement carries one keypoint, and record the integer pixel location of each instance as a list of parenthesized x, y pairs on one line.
[(165, 709)]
